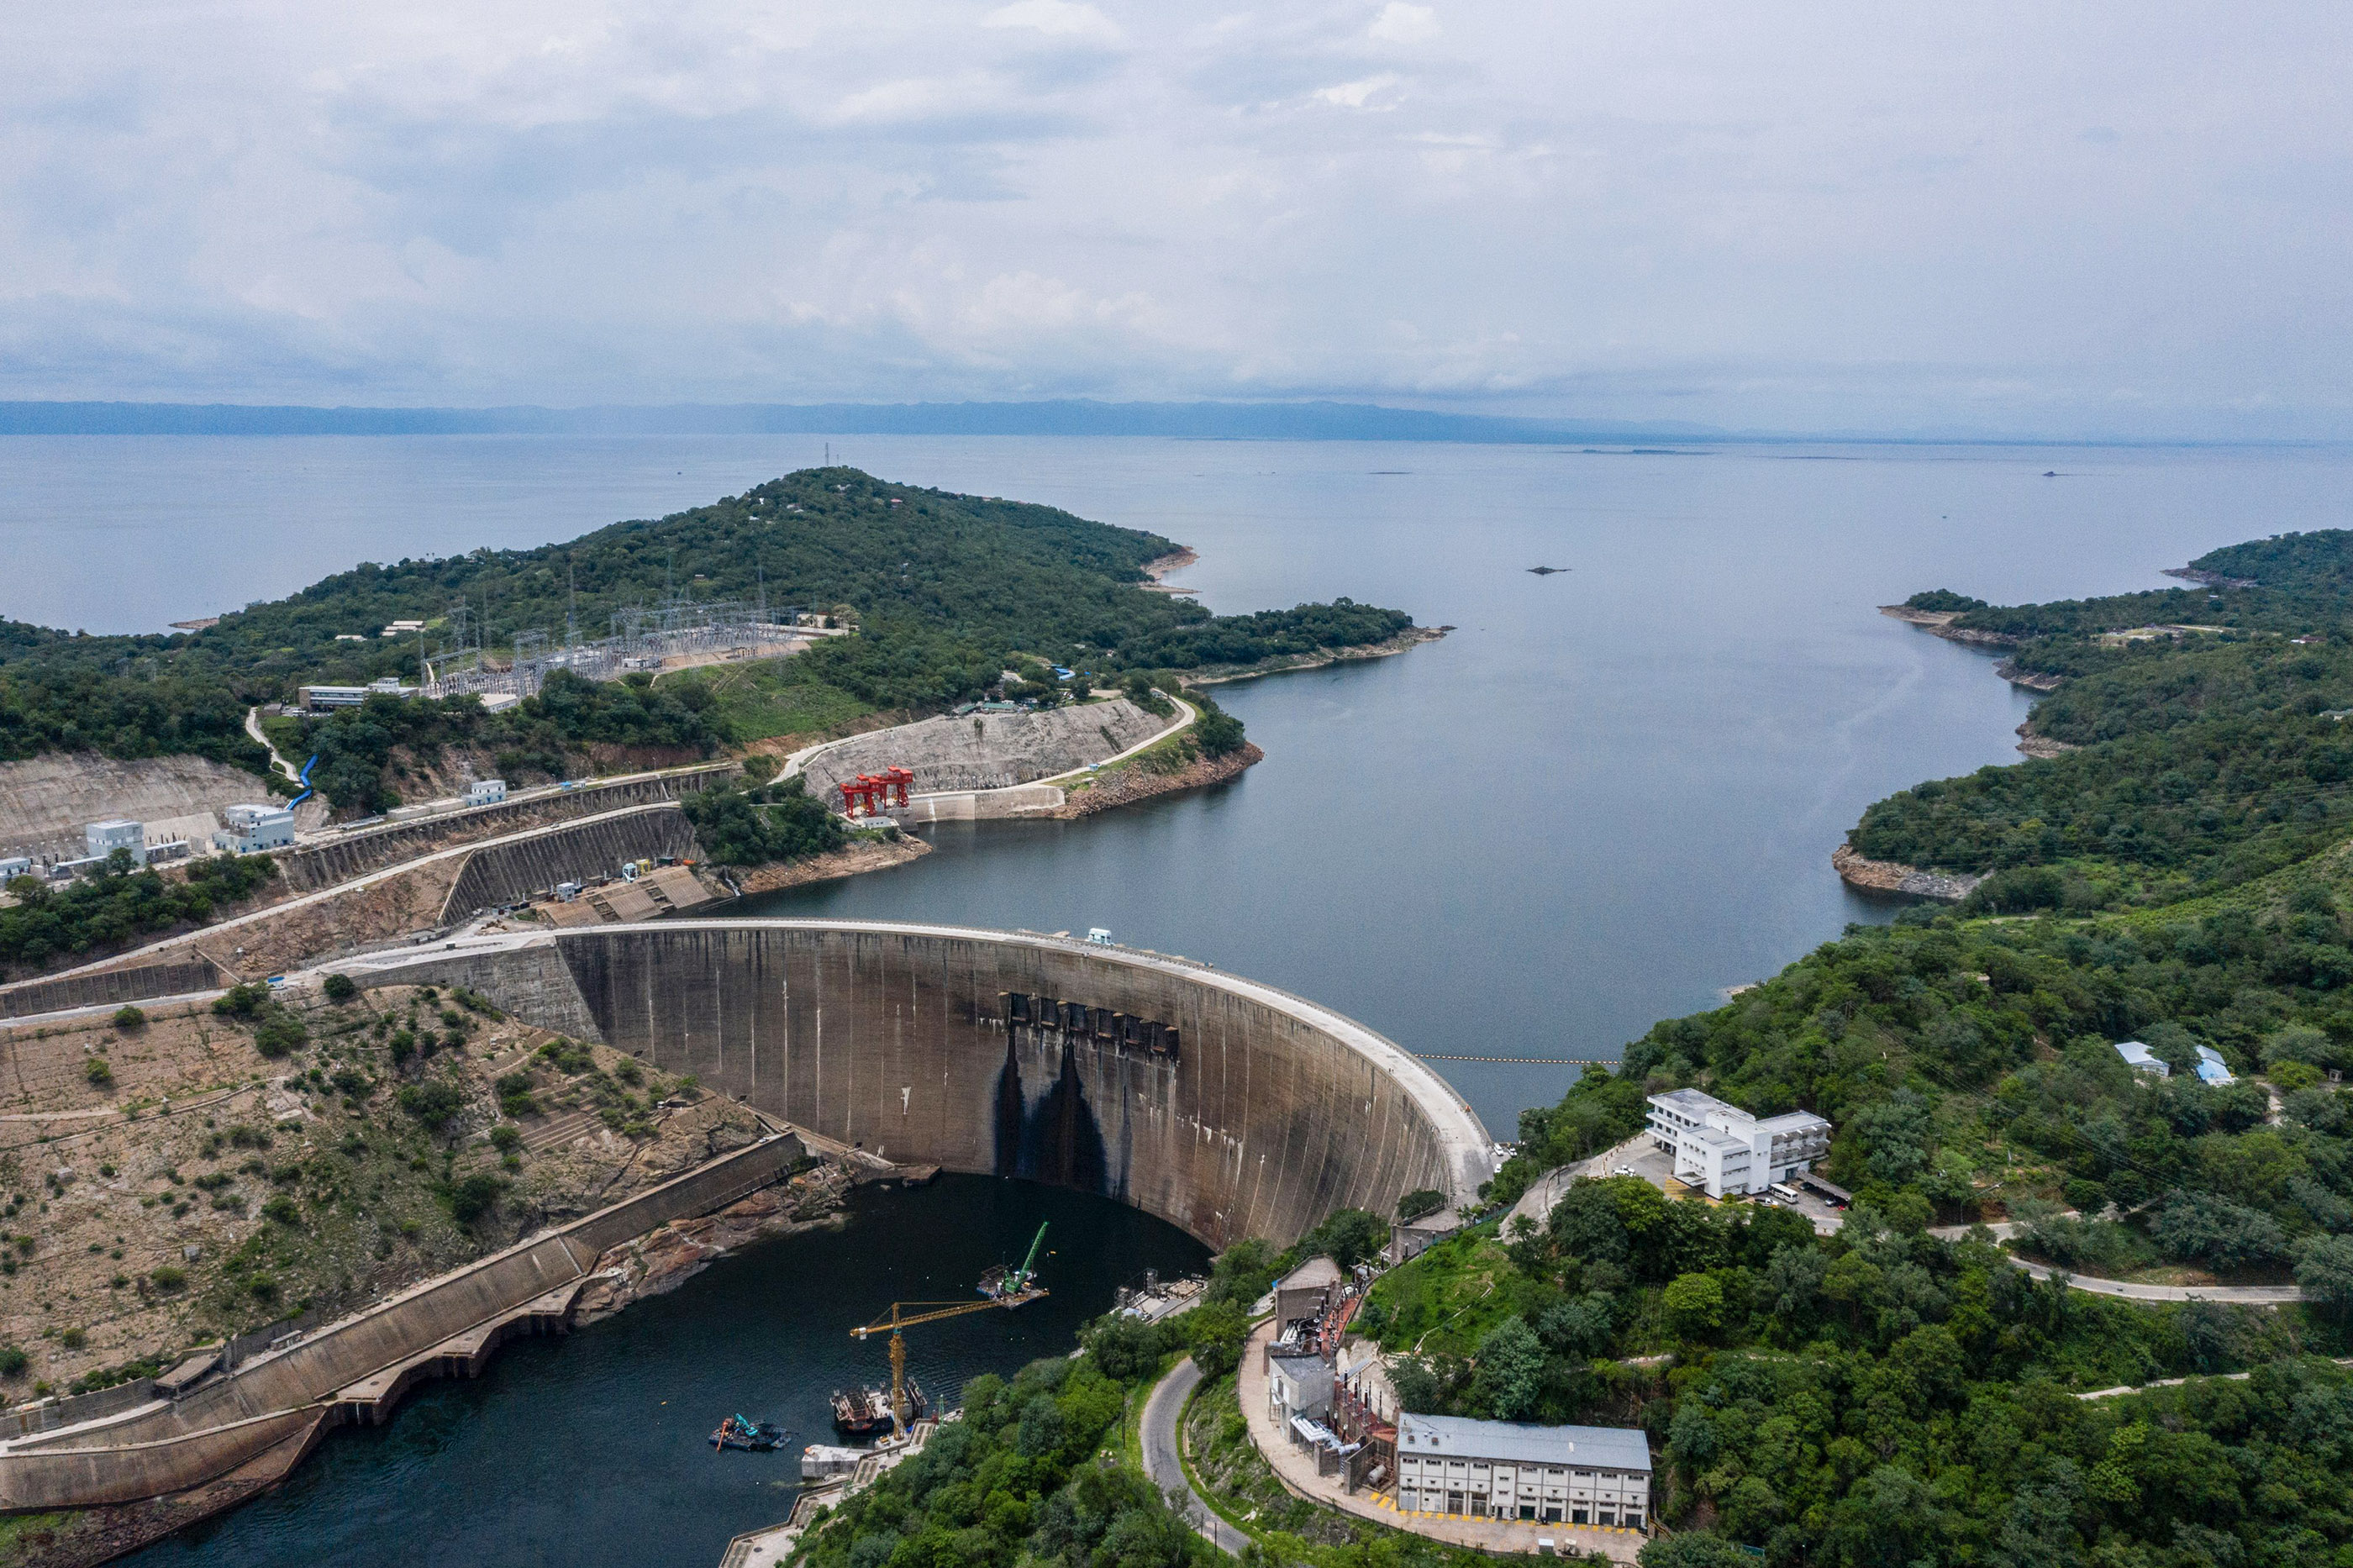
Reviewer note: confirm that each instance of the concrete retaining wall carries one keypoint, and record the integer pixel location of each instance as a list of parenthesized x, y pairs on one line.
[(500, 874), (309, 870), (1272, 1112), (161, 1449), (110, 988)]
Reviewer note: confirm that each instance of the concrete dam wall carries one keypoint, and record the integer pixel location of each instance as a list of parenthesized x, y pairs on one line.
[(1229, 1108), (318, 866), (500, 874)]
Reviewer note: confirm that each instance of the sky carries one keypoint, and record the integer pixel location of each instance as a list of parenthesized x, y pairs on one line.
[(2056, 220)]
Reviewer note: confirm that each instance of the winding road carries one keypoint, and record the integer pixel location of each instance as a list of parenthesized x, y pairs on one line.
[(1165, 1467)]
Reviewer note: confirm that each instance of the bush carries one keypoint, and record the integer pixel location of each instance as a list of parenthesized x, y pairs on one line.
[(434, 1102), (471, 1197), (506, 1137), (168, 1277), (242, 1001), (129, 1019), (514, 1095), (280, 1034), (1420, 1202), (14, 1361), (341, 988), (282, 1209), (98, 1072)]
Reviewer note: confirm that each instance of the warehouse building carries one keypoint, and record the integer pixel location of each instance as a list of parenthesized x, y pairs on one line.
[(1501, 1470)]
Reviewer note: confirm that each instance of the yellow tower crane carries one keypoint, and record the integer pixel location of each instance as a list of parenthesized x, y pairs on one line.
[(906, 1315)]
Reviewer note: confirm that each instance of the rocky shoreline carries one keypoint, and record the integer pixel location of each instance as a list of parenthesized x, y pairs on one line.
[(1857, 870), (669, 1255), (1939, 623), (1412, 637), (869, 855), (1134, 784)]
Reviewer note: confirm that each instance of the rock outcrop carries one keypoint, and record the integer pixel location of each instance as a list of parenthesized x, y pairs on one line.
[(668, 1256), (1131, 783), (1891, 876)]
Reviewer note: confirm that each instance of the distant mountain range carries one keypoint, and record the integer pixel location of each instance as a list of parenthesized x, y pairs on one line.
[(1195, 421)]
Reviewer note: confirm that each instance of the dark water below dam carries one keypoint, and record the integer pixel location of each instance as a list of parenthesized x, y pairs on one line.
[(588, 1451)]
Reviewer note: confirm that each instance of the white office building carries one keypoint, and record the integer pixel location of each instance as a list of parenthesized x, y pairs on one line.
[(486, 791), (318, 699), (1501, 1470), (1726, 1152), (104, 838), (252, 828)]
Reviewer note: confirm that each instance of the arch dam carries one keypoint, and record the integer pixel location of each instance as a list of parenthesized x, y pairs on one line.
[(1227, 1107)]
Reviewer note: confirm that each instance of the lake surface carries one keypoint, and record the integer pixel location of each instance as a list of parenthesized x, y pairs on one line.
[(591, 1449), (1607, 796)]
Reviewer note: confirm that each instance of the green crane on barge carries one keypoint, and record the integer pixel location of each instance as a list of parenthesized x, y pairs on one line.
[(999, 1287)]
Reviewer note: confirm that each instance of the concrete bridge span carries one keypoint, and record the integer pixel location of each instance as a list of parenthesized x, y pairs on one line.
[(1227, 1107)]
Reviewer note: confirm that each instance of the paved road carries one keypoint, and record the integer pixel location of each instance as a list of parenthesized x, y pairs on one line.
[(2247, 1295), (272, 911), (1165, 1470)]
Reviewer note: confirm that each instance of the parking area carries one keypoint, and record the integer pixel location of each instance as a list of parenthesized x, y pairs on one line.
[(1642, 1157)]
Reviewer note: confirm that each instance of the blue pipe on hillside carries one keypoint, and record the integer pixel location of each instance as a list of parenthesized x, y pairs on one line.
[(304, 780)]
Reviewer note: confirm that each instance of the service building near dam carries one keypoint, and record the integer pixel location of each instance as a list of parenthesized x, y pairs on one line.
[(1225, 1107)]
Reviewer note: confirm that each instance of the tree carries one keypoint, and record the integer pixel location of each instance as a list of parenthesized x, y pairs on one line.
[(1509, 1379), (341, 988), (1692, 1549), (1694, 1304), (1217, 1331), (2324, 1268), (1216, 732)]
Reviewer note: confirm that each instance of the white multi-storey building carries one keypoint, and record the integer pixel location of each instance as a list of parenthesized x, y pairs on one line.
[(1725, 1151), (1501, 1470), (486, 791), (251, 828)]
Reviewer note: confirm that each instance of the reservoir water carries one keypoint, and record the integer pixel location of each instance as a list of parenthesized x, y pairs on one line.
[(590, 1451), (1608, 795)]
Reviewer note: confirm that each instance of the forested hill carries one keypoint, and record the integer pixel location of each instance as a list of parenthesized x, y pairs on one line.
[(2208, 749), (1886, 1395), (2290, 583), (944, 588)]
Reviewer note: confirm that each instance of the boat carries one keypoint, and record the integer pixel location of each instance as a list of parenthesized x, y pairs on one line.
[(863, 1412), (753, 1436), (1012, 1287)]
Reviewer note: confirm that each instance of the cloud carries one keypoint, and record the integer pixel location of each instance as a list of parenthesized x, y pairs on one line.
[(1399, 23), (1829, 214), (1056, 19), (1362, 93)]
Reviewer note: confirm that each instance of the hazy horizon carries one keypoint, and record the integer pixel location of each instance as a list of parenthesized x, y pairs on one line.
[(1829, 221)]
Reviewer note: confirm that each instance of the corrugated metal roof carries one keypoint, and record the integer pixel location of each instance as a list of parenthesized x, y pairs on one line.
[(1588, 1447)]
